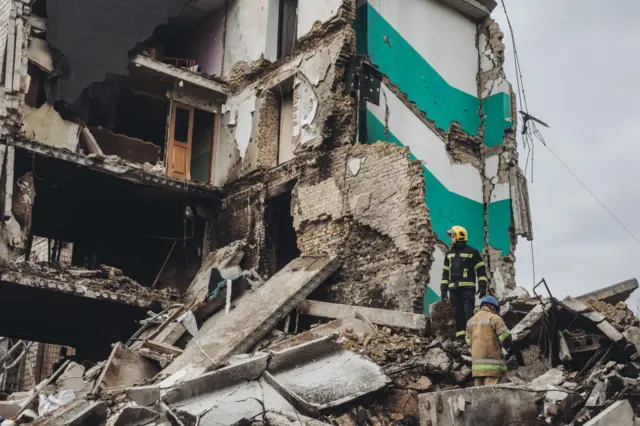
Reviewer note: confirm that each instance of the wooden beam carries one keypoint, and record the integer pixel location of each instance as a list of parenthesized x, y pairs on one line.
[(384, 317)]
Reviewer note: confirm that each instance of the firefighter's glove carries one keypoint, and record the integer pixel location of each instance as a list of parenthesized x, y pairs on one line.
[(444, 295), (482, 292)]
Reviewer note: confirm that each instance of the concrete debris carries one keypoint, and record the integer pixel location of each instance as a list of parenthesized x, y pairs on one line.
[(478, 407), (612, 294), (620, 413), (363, 368), (123, 369), (384, 317), (221, 337)]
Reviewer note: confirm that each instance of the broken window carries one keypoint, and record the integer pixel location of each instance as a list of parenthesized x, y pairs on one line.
[(191, 143), (287, 27)]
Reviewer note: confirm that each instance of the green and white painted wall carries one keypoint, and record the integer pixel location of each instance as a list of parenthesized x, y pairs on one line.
[(430, 54)]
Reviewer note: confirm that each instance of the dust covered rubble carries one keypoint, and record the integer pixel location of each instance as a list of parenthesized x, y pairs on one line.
[(579, 364)]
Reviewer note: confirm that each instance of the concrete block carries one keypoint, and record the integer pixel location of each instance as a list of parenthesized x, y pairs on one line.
[(478, 406), (144, 396), (619, 414)]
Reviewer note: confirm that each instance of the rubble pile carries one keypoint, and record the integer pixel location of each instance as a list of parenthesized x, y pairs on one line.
[(240, 355)]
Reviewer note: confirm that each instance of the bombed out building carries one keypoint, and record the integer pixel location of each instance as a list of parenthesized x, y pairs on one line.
[(140, 136)]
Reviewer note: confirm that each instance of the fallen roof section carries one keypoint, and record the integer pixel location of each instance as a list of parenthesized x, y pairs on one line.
[(117, 167), (255, 314), (612, 294)]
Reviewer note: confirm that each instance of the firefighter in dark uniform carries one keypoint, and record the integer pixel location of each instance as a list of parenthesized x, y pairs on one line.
[(462, 266)]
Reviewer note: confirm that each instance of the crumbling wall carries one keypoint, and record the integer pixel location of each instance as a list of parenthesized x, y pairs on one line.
[(455, 116), (505, 193), (370, 212), (14, 33), (322, 112)]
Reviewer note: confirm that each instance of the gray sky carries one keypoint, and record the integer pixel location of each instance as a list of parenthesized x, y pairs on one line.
[(582, 76)]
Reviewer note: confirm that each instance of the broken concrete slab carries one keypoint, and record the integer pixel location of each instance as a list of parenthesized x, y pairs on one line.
[(260, 310), (180, 75), (144, 396), (563, 348), (619, 413), (551, 378), (64, 415), (612, 294), (135, 416), (469, 407), (598, 395), (46, 126), (94, 415), (72, 378), (123, 369), (349, 327), (322, 374), (596, 317), (531, 320), (384, 317), (229, 394), (632, 334)]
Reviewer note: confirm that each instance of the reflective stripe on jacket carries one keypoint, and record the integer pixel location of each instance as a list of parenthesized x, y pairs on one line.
[(485, 333), (462, 265)]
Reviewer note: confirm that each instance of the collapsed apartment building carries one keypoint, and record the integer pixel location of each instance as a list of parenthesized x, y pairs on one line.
[(230, 159)]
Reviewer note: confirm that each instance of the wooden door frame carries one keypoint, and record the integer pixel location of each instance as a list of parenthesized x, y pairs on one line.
[(172, 141)]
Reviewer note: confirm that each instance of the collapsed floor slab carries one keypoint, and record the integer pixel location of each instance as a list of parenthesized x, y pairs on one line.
[(306, 378), (322, 374), (259, 312)]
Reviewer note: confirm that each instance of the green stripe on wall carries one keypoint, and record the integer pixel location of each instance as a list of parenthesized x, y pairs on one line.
[(430, 297), (440, 101), (446, 208), (499, 222)]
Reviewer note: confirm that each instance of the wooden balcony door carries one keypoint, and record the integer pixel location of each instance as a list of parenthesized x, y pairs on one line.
[(180, 141)]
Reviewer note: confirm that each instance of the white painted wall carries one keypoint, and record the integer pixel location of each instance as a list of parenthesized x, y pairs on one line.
[(463, 179), (501, 191), (435, 274), (310, 11), (442, 36), (247, 25)]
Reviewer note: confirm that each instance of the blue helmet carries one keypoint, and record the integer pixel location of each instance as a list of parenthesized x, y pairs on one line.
[(491, 301)]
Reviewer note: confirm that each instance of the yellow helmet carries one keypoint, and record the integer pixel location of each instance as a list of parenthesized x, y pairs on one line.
[(459, 232)]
